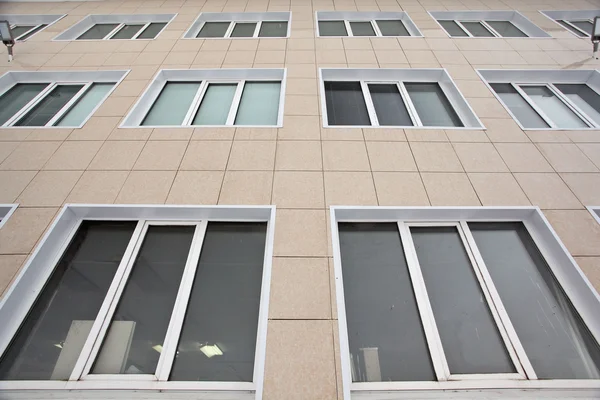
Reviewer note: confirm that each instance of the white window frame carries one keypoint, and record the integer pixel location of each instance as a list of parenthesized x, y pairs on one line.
[(572, 15), (35, 20), (22, 294), (74, 32), (572, 279), (595, 211), (548, 78), (240, 17), (53, 79), (6, 210), (231, 75), (366, 16), (399, 76), (487, 26)]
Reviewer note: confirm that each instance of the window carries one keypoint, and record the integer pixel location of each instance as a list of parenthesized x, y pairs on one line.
[(117, 27), (393, 97), (595, 211), (579, 22), (24, 26), (6, 211), (460, 298), (549, 100), (240, 25), (365, 23), (133, 303), (225, 97), (61, 99), (511, 24)]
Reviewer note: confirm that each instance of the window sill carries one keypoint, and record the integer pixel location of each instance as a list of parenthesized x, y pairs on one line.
[(134, 394)]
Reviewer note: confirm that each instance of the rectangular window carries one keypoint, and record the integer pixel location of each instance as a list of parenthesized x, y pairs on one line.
[(123, 31), (578, 22), (117, 27), (487, 24), (24, 26), (240, 25), (370, 24), (6, 211), (481, 28)]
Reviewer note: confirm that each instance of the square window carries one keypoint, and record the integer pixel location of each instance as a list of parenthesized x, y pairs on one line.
[(510, 24), (578, 22), (117, 27), (24, 26), (365, 23), (240, 25)]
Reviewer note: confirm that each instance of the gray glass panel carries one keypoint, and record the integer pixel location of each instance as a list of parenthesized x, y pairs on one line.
[(572, 29), (584, 97), (85, 105), (477, 29), (216, 104), (506, 29), (259, 104), (385, 333), (362, 29), (392, 27), (332, 28), (517, 105), (98, 31), (172, 105), (49, 106), (273, 29), (52, 336), (218, 338), (432, 105), (556, 340), (213, 29), (453, 28), (152, 30), (470, 337), (127, 32), (243, 29), (134, 339), (20, 29), (33, 32), (585, 26), (389, 106), (346, 104), (553, 107), (17, 97)]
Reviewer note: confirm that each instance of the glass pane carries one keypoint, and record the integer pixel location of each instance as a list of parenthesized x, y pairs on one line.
[(134, 339), (85, 105), (553, 107), (453, 28), (506, 29), (33, 32), (572, 29), (213, 29), (432, 105), (218, 338), (470, 337), (385, 334), (517, 105), (332, 28), (17, 97), (259, 104), (49, 106), (346, 104), (362, 29), (585, 26), (127, 32), (243, 29), (49, 342), (216, 104), (172, 105), (98, 31), (273, 29), (557, 342), (20, 29), (389, 105), (392, 28), (152, 30), (477, 29), (584, 97)]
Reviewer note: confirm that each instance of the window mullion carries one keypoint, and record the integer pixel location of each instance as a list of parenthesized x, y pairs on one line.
[(235, 103), (496, 301), (167, 356), (31, 104), (577, 28), (142, 29), (114, 31), (582, 115), (463, 28), (432, 334), (69, 104), (257, 29), (369, 103), (348, 28), (102, 321), (489, 28), (25, 33), (410, 107), (376, 28), (189, 117), (535, 107), (230, 29)]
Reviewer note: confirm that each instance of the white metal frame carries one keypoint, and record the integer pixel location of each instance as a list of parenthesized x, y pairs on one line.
[(232, 25), (122, 25), (487, 26), (567, 16), (582, 33), (350, 33), (366, 16), (34, 274), (595, 211), (571, 278), (75, 31), (36, 20), (234, 18), (6, 210)]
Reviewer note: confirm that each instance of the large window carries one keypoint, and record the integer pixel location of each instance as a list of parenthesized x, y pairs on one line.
[(436, 298), (510, 24), (365, 23), (578, 22), (45, 99), (175, 298), (117, 26), (212, 98), (403, 98), (240, 25), (24, 26), (551, 100)]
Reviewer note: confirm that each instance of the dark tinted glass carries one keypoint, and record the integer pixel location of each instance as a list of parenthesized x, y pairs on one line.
[(345, 104), (20, 29), (17, 97), (585, 26), (362, 29), (152, 30), (127, 32), (213, 29), (49, 106), (218, 338), (98, 31), (33, 32), (506, 29), (273, 29), (332, 28), (584, 97), (391, 27), (243, 29), (52, 336), (432, 105), (389, 105), (477, 29), (452, 28)]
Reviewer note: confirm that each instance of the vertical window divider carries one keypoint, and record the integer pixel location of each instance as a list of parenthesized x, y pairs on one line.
[(369, 102), (229, 29), (463, 28), (235, 103), (114, 31), (432, 334), (257, 29), (533, 105), (24, 33), (410, 107), (142, 29), (572, 106), (376, 28), (489, 28), (70, 103), (348, 28), (31, 104), (523, 362), (189, 117), (577, 28), (115, 288), (167, 356)]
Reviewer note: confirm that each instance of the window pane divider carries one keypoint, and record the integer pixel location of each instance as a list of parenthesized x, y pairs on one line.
[(348, 28), (523, 360), (25, 33), (189, 117), (257, 29), (573, 106), (576, 27), (235, 103), (369, 102), (376, 28), (167, 356), (229, 29), (31, 104), (474, 377), (114, 31), (142, 29), (463, 28), (492, 30), (532, 103), (69, 104), (410, 107)]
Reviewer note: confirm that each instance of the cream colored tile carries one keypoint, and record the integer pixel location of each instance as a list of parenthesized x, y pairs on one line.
[(390, 56), (97, 187), (43, 135), (349, 188), (13, 183), (384, 134), (591, 268), (161, 156), (30, 156), (300, 128), (252, 155), (171, 134), (196, 187), (426, 135), (9, 266), (298, 189), (73, 156), (592, 150), (361, 56), (342, 134), (523, 157), (449, 189), (299, 155), (420, 56), (301, 105), (131, 134), (6, 149), (300, 56), (300, 233), (578, 230), (49, 188), (391, 156), (547, 191), (479, 157), (146, 187), (96, 128), (117, 155), (331, 57), (239, 57), (301, 86), (345, 156), (586, 186), (498, 189), (23, 229), (400, 189), (270, 56), (435, 157), (504, 130), (246, 187), (567, 157), (489, 108)]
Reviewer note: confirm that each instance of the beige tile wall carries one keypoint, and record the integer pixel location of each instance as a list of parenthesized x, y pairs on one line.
[(302, 168)]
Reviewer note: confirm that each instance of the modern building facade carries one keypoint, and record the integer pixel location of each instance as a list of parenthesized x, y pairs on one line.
[(298, 199)]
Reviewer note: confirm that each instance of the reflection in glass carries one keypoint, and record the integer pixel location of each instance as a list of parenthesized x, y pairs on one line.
[(49, 106), (553, 107), (517, 105), (345, 104)]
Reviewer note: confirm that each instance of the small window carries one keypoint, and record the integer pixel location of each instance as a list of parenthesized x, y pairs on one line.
[(123, 31), (408, 99), (6, 211), (212, 98), (64, 99), (240, 25), (117, 27), (24, 26), (578, 22), (370, 24), (490, 24)]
